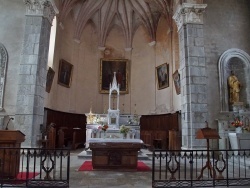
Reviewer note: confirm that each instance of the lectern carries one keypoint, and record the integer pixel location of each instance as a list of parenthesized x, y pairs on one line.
[(207, 133), (10, 157)]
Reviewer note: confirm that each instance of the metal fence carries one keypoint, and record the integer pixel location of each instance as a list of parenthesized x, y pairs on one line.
[(199, 168), (34, 167)]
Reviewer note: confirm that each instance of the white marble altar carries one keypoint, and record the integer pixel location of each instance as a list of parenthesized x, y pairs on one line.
[(223, 130), (111, 133), (239, 140), (113, 119), (225, 127)]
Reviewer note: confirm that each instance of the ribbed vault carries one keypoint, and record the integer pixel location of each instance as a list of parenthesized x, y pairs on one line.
[(127, 14)]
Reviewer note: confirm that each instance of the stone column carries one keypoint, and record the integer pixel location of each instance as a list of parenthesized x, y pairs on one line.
[(33, 69), (189, 20)]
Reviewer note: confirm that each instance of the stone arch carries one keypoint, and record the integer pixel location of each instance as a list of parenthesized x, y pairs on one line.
[(3, 66), (229, 58)]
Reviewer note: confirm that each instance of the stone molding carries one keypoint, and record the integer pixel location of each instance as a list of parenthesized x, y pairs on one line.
[(189, 13), (152, 43), (40, 8), (3, 65), (101, 48), (128, 49)]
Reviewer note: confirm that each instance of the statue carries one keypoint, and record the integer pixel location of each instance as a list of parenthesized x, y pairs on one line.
[(234, 88)]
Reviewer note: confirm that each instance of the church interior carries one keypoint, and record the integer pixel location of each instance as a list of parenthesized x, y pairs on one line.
[(196, 43), (164, 68)]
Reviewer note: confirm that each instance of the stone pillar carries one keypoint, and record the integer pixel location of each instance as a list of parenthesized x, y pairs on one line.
[(33, 69), (189, 20)]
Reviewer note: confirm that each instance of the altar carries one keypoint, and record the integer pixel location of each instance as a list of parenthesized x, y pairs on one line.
[(92, 131), (113, 120), (115, 153), (239, 140)]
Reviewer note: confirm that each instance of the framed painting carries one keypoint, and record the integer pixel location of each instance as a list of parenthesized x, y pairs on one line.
[(162, 76), (49, 79), (65, 73), (107, 69), (177, 82)]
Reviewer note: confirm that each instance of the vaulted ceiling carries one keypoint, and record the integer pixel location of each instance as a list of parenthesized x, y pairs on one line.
[(126, 14)]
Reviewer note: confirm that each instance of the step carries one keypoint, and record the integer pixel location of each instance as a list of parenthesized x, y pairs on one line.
[(142, 155)]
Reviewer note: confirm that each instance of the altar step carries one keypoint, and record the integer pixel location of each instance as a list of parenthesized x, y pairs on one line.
[(143, 154)]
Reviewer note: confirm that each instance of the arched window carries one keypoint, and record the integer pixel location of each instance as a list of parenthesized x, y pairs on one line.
[(52, 43), (3, 65)]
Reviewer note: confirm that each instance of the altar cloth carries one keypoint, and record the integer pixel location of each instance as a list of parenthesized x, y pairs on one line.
[(117, 140)]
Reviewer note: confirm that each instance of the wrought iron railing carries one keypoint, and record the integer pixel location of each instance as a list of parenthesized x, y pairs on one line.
[(192, 168), (34, 167)]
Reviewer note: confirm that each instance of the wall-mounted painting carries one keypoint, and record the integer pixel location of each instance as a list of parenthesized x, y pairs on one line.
[(107, 69), (65, 73), (177, 82), (49, 79), (162, 74)]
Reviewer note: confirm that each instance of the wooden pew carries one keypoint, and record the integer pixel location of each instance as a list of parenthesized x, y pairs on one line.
[(65, 124), (154, 130)]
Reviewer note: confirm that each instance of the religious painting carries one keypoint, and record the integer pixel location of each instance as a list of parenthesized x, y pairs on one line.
[(177, 82), (162, 76), (49, 79), (107, 69), (65, 73)]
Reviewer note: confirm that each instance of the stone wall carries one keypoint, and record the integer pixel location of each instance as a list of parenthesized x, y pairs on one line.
[(11, 34), (226, 26)]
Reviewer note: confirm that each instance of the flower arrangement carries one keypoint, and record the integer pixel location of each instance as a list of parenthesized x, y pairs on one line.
[(237, 122), (124, 129), (103, 127)]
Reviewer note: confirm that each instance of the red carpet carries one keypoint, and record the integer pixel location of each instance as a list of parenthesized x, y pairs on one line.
[(22, 175), (87, 166)]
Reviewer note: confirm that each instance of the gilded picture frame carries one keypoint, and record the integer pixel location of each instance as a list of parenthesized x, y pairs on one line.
[(65, 73), (177, 82), (162, 76), (107, 69), (49, 79)]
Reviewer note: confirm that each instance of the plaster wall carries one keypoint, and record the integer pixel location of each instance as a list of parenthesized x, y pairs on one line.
[(143, 96), (166, 99), (226, 25), (12, 16)]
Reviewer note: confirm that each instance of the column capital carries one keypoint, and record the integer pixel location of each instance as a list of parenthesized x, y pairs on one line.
[(189, 13), (41, 8)]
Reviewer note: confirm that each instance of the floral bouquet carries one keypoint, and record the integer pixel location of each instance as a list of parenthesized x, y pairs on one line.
[(124, 129), (103, 127), (237, 122)]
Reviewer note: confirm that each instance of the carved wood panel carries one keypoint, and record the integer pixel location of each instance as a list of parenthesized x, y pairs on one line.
[(67, 121), (157, 127)]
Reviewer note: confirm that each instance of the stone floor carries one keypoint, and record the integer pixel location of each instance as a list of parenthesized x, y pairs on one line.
[(108, 179)]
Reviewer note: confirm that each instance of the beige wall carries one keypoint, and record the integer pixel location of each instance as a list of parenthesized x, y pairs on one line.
[(144, 96)]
